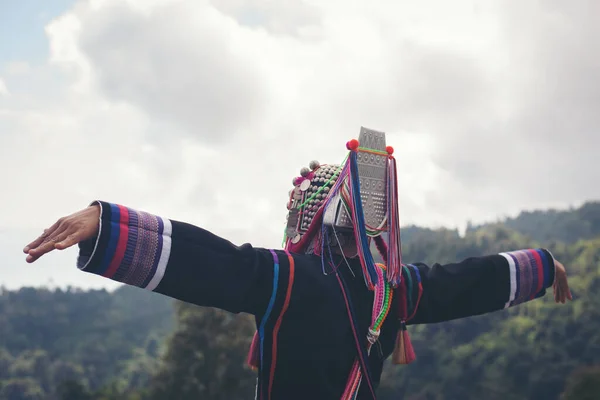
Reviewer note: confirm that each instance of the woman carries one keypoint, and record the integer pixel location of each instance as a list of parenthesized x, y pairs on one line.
[(327, 314)]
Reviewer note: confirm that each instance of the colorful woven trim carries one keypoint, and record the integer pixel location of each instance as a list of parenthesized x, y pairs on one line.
[(531, 272), (288, 295), (133, 247), (265, 318), (381, 306), (262, 356)]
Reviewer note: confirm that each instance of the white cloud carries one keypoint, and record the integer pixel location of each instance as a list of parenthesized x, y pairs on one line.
[(205, 110), (3, 89), (16, 68)]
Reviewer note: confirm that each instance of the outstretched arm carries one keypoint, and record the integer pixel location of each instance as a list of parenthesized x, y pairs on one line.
[(480, 285), (169, 257)]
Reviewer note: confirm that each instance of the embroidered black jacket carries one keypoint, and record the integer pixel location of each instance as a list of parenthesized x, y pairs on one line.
[(307, 343)]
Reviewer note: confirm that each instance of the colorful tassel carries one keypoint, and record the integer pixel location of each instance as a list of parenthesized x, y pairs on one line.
[(358, 220), (363, 353), (404, 352), (253, 353), (394, 258), (381, 306)]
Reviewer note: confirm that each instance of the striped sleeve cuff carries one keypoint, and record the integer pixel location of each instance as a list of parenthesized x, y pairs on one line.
[(531, 273), (131, 247)]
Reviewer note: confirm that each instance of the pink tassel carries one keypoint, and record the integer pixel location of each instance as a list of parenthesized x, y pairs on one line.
[(394, 258), (404, 353), (253, 353)]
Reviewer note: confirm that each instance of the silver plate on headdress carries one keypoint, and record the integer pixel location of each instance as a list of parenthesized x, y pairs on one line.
[(372, 173)]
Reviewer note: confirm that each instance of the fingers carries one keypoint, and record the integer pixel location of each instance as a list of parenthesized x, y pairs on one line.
[(565, 291), (559, 292), (562, 293), (564, 287), (47, 244), (42, 237), (69, 241), (66, 232)]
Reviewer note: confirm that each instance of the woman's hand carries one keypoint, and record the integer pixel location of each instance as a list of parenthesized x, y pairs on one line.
[(65, 232), (561, 286)]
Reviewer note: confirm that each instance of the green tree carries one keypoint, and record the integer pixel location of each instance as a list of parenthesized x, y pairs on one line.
[(21, 389), (583, 384), (72, 390), (113, 345), (206, 357)]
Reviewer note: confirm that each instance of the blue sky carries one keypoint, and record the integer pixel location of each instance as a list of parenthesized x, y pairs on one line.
[(22, 25)]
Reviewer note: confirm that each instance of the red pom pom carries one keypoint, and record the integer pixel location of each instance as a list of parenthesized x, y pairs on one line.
[(352, 145), (311, 176), (298, 180), (390, 150)]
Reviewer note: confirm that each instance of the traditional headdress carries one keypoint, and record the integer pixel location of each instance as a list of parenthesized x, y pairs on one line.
[(345, 206), (340, 208)]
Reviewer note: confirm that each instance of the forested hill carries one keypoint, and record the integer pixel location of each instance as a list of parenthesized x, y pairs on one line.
[(566, 226), (131, 344), (92, 337)]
